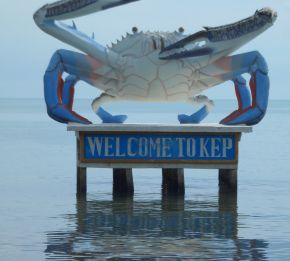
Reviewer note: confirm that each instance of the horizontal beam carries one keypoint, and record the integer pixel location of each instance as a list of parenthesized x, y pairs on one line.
[(158, 166), (168, 128)]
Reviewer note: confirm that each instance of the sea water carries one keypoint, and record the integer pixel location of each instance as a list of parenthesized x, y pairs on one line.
[(41, 218)]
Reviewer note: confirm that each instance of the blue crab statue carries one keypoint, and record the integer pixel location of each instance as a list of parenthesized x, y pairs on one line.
[(154, 66)]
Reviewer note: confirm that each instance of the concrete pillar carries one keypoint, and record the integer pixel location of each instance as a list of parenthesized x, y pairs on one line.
[(123, 204), (81, 174), (81, 215), (172, 203), (228, 202), (173, 182), (81, 181), (123, 184), (228, 180)]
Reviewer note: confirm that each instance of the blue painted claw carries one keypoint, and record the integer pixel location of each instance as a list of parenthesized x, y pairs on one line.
[(109, 118), (196, 117), (254, 113)]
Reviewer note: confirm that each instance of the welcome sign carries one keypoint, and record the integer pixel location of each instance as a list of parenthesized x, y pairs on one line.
[(157, 148)]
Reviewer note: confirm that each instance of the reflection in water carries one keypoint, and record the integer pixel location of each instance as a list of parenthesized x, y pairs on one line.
[(173, 229)]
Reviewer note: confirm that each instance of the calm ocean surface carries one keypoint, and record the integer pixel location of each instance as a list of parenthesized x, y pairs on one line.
[(41, 219)]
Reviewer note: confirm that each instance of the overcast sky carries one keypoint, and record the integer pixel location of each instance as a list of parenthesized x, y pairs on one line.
[(25, 50)]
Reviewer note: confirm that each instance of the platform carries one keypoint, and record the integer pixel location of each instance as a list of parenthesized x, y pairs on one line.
[(172, 148)]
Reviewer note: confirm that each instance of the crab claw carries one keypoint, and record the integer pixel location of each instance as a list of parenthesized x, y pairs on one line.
[(106, 117), (191, 46), (216, 42)]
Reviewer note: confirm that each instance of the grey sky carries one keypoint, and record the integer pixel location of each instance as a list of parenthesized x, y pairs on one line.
[(25, 50)]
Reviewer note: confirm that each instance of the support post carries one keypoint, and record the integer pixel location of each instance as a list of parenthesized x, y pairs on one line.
[(81, 181), (81, 174), (228, 180), (173, 182), (123, 184)]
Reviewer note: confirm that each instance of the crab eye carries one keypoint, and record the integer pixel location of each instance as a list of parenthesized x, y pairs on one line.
[(135, 29), (181, 30)]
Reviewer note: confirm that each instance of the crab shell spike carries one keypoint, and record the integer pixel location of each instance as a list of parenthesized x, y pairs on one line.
[(74, 25)]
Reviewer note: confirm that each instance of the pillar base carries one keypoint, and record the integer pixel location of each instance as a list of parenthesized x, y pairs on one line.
[(81, 181), (173, 182), (228, 180), (123, 184)]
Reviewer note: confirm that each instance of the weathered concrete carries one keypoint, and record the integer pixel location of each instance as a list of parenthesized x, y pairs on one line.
[(186, 128), (123, 184), (81, 181), (173, 182), (228, 180), (81, 174)]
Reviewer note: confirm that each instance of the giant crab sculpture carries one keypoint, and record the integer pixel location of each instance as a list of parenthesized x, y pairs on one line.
[(154, 66)]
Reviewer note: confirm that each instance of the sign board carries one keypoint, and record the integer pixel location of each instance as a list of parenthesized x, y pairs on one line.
[(208, 146), (115, 147)]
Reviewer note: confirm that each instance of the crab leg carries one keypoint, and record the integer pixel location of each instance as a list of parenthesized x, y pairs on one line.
[(201, 114), (105, 116), (242, 93), (58, 93), (254, 64), (69, 91), (243, 96)]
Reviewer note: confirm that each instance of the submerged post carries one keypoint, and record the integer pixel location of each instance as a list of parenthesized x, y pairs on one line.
[(171, 148), (228, 180), (81, 173), (173, 182), (123, 182)]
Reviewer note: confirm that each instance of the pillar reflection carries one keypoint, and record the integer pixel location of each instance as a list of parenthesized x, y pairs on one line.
[(175, 227)]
